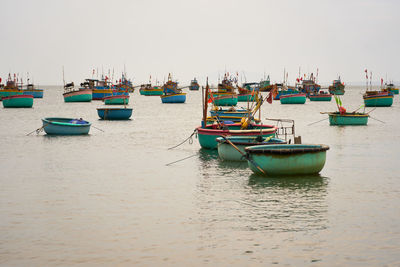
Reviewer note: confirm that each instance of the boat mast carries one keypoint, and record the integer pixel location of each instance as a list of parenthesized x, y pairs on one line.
[(63, 76)]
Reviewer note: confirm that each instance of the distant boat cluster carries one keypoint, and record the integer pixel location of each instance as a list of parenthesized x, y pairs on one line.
[(237, 133)]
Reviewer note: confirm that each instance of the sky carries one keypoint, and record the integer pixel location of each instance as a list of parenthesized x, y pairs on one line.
[(202, 38)]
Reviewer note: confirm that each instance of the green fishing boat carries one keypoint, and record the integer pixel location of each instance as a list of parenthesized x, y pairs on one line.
[(378, 99), (337, 87), (293, 99), (336, 118), (278, 160), (18, 101), (149, 90), (116, 100), (11, 88)]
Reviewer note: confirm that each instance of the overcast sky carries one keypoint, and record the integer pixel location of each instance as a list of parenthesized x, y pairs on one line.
[(200, 38)]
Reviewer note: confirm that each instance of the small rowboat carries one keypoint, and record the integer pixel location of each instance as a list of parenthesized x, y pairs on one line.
[(116, 100), (18, 101), (229, 153), (335, 118), (286, 159), (208, 134), (114, 113), (65, 126), (174, 98), (293, 99)]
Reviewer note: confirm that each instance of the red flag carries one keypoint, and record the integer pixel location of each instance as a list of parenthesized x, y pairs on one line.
[(0, 80), (381, 81), (269, 98), (211, 98)]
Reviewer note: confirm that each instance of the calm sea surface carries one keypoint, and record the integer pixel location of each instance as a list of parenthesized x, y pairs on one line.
[(108, 199)]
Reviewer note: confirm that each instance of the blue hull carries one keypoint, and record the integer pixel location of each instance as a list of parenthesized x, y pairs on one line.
[(179, 98), (99, 96), (35, 94), (114, 113), (61, 126)]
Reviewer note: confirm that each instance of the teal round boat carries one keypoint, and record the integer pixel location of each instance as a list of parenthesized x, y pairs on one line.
[(280, 160), (82, 95), (335, 118), (293, 99), (228, 153), (65, 126), (18, 101)]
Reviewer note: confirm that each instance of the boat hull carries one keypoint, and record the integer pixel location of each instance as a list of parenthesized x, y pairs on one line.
[(114, 113), (378, 101), (18, 101), (246, 97), (293, 99), (208, 135), (9, 92), (99, 94), (78, 96), (394, 91), (194, 87), (228, 153), (175, 98), (37, 93), (348, 119), (320, 97), (221, 99), (151, 92), (277, 160), (116, 100), (62, 126)]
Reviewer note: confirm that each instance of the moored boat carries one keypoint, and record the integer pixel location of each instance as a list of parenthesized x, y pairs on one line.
[(65, 126), (321, 96), (11, 87), (174, 98), (286, 159), (114, 113), (18, 101), (149, 90), (31, 90), (229, 153), (171, 92), (378, 99), (391, 88), (337, 118), (225, 94), (194, 85), (337, 87), (116, 100), (293, 99), (71, 94)]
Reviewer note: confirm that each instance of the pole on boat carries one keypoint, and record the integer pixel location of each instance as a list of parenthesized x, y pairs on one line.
[(204, 122), (63, 75)]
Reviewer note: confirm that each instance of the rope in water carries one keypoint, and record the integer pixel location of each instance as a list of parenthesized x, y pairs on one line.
[(189, 138), (180, 160)]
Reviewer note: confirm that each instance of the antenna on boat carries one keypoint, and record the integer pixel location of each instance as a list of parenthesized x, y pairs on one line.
[(63, 76), (370, 80)]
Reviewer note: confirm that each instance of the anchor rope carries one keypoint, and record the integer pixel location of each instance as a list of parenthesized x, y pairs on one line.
[(189, 138)]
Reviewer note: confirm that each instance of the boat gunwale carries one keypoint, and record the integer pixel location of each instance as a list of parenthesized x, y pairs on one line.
[(49, 121), (16, 96), (222, 140), (292, 95), (263, 128), (337, 114)]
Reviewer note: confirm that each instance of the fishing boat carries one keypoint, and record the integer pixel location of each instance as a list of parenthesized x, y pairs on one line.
[(114, 113), (171, 92), (346, 118), (116, 100), (378, 99), (100, 88), (65, 126), (247, 92), (229, 152), (337, 87), (72, 94), (286, 159), (149, 90), (391, 88), (32, 90), (293, 99), (11, 87), (194, 85), (321, 96), (265, 85), (230, 114), (124, 85), (308, 86), (18, 101), (280, 89), (225, 94)]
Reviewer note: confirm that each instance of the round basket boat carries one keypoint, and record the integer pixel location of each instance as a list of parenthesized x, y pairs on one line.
[(65, 126), (288, 159)]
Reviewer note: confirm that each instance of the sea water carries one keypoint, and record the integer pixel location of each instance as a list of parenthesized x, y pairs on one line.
[(110, 199)]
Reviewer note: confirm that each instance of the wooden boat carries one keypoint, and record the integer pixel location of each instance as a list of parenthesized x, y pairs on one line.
[(114, 113), (265, 85), (71, 94), (11, 87), (31, 90), (149, 90), (309, 86), (280, 89), (124, 85), (229, 153), (293, 99), (208, 134), (289, 159), (194, 85), (18, 101), (225, 94), (337, 118), (171, 92), (378, 99), (390, 87), (65, 126), (231, 114), (337, 87), (100, 88), (321, 96), (116, 100)]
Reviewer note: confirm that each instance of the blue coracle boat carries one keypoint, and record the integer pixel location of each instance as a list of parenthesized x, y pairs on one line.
[(65, 126), (174, 98), (114, 113)]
